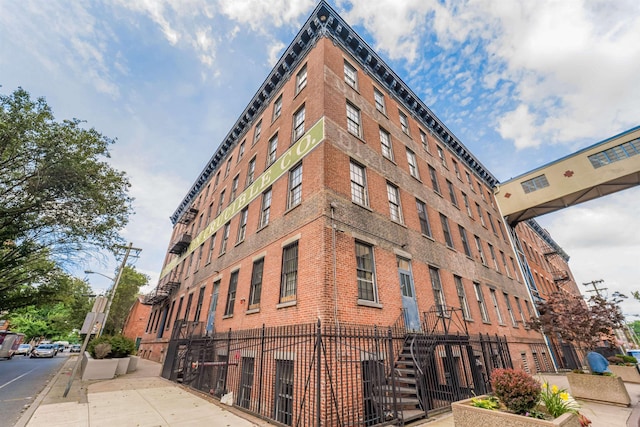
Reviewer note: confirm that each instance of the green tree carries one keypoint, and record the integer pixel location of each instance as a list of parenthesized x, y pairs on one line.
[(126, 294), (60, 200), (55, 320)]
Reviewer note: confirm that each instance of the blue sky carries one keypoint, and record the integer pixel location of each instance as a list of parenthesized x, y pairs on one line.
[(520, 83)]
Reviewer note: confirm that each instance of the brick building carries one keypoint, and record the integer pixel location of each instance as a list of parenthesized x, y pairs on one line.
[(339, 198), (136, 321)]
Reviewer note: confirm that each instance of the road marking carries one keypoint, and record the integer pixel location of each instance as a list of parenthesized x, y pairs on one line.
[(17, 378)]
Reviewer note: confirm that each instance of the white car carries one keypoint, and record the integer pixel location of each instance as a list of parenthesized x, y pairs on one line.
[(24, 349)]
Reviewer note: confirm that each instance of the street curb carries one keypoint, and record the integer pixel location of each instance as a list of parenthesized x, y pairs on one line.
[(26, 416)]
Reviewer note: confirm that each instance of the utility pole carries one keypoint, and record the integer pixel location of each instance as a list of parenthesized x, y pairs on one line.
[(128, 250), (595, 288)]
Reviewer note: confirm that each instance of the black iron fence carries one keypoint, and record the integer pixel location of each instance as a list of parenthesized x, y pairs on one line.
[(334, 375)]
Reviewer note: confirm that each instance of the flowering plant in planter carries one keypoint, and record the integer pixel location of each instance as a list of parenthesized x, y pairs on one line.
[(517, 392), (557, 401)]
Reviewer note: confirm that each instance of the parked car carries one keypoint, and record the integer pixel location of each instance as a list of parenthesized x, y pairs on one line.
[(24, 349), (75, 348), (44, 350)]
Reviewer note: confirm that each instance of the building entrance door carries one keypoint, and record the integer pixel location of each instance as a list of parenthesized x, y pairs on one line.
[(407, 291)]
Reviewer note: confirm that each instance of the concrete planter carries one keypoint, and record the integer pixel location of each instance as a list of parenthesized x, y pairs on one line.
[(599, 388), (628, 374), (133, 364), (465, 415), (98, 369), (123, 365)]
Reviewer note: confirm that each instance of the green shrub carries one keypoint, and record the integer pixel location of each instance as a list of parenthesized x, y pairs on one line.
[(118, 346), (100, 347), (122, 346), (628, 359), (516, 389)]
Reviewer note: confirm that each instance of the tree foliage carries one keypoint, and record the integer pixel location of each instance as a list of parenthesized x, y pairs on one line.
[(126, 294), (55, 320), (59, 198), (584, 325)]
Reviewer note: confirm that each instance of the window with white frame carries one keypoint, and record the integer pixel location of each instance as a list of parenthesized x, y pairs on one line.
[(366, 272), (465, 241), (234, 188), (350, 75), (404, 122), (492, 252), (212, 245), (272, 150), (240, 151), (424, 141), (228, 168), (434, 179), (512, 316), (277, 108), (257, 132), (231, 293), (353, 120), (265, 208), (301, 79), (480, 251), (423, 217), (469, 181), (466, 203), (446, 231), (413, 164), (251, 172), (438, 294), (443, 159), (295, 186), (481, 304), (494, 300), (456, 169), (479, 210), (519, 307), (534, 184), (220, 203), (298, 124), (452, 193), (289, 282), (493, 226), (225, 238), (256, 284), (359, 192), (395, 209), (379, 101), (462, 298), (504, 263), (385, 143), (242, 225)]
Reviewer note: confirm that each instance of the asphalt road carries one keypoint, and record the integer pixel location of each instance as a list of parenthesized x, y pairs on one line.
[(21, 379)]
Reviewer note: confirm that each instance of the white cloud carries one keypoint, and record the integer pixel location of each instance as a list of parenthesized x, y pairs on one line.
[(63, 41), (519, 126), (275, 52), (396, 26), (183, 23), (261, 16)]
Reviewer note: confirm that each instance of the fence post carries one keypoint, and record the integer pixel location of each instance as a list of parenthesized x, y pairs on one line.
[(318, 373), (226, 367), (261, 380), (393, 376)]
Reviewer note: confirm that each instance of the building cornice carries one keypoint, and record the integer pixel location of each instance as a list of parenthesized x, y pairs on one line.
[(325, 22)]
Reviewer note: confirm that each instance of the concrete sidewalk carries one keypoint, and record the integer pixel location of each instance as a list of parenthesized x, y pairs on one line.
[(143, 398)]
